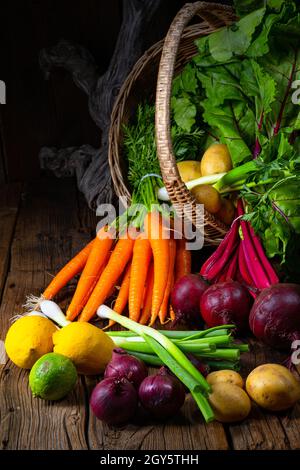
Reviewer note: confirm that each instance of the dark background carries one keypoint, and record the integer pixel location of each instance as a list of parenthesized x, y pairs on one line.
[(54, 112)]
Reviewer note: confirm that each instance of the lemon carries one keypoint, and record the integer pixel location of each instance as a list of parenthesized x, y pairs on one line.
[(28, 339), (88, 347), (52, 377)]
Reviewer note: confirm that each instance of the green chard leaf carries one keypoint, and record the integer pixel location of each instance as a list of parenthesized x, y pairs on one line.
[(236, 38), (227, 109), (259, 85), (274, 212), (261, 43), (231, 123), (184, 111), (284, 67), (243, 7)]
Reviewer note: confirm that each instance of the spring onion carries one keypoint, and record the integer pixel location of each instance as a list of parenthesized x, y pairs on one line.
[(153, 360), (105, 312), (182, 334), (136, 343), (171, 356), (163, 195)]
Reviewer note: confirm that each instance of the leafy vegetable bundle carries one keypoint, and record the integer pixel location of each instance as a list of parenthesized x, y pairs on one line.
[(242, 86), (241, 90)]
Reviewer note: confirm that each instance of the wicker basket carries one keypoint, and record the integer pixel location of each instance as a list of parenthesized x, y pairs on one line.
[(154, 73)]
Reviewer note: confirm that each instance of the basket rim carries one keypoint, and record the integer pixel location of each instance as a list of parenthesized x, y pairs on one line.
[(190, 32)]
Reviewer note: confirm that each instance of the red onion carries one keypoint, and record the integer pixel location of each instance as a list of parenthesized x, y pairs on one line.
[(114, 400), (124, 365), (185, 299), (226, 303), (275, 315), (162, 394)]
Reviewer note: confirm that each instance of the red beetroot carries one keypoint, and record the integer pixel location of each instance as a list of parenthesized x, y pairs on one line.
[(226, 303), (185, 299), (275, 315)]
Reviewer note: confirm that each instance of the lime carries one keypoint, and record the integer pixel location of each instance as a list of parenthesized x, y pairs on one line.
[(52, 377)]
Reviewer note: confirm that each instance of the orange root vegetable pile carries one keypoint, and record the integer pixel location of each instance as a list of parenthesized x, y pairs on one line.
[(141, 268)]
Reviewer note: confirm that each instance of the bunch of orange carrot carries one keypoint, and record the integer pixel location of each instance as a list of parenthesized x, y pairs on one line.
[(144, 266)]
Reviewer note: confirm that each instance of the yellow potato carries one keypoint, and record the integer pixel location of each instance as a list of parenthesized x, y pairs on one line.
[(227, 212), (189, 170), (225, 376), (229, 402), (216, 159), (209, 196), (273, 387)]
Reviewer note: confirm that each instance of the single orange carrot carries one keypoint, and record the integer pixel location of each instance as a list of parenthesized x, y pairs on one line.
[(70, 270), (91, 272), (183, 264), (91, 288), (146, 311), (114, 269), (157, 236), (164, 305), (142, 254), (122, 299)]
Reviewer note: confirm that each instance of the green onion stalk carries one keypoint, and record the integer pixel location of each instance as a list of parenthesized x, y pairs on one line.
[(171, 356), (153, 360), (233, 180), (215, 343), (239, 177), (134, 344), (182, 334)]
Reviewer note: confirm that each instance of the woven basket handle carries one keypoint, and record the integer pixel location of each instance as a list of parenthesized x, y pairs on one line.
[(207, 11)]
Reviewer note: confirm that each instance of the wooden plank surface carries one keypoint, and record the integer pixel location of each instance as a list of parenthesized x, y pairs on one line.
[(48, 231), (49, 225), (2, 154), (27, 422), (263, 430), (9, 204)]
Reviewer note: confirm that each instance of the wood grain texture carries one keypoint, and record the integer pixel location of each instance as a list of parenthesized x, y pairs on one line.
[(52, 224), (9, 204), (27, 422), (48, 231), (3, 175), (185, 431), (264, 430)]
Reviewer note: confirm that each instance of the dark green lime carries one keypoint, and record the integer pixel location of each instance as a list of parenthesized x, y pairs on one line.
[(52, 377)]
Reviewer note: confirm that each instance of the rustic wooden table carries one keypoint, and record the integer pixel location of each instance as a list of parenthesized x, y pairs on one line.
[(41, 226)]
